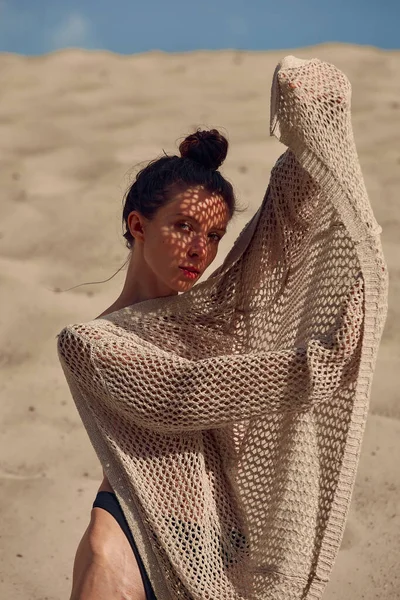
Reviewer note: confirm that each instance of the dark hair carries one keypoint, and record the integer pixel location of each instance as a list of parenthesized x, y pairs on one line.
[(201, 154)]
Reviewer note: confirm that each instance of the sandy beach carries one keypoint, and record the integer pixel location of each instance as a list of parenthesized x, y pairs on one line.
[(74, 126)]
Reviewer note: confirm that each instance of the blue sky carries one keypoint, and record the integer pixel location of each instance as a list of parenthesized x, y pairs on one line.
[(129, 26)]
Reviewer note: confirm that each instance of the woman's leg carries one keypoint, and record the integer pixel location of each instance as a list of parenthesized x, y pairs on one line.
[(105, 568)]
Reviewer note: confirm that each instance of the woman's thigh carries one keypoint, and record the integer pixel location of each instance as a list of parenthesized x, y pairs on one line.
[(105, 568)]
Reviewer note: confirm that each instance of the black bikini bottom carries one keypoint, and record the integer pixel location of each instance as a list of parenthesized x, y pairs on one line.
[(230, 551), (109, 502)]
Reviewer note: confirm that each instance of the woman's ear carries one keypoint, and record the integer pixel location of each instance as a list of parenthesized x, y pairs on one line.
[(136, 225)]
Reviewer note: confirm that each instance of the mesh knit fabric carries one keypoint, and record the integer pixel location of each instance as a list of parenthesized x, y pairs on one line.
[(229, 419)]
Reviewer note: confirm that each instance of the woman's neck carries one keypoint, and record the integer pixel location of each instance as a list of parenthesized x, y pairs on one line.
[(138, 287)]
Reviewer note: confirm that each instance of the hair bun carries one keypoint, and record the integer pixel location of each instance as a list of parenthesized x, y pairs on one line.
[(209, 148)]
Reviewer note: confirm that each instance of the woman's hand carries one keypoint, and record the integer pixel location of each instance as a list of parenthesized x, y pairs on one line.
[(312, 106)]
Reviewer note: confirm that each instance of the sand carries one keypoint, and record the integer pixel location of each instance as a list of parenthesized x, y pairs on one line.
[(73, 124)]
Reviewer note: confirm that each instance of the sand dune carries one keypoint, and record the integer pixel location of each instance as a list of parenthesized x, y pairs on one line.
[(73, 124)]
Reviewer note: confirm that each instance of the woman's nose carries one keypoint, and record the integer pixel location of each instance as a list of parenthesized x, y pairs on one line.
[(198, 247)]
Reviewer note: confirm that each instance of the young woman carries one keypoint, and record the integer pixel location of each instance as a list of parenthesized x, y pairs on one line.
[(175, 214), (228, 419)]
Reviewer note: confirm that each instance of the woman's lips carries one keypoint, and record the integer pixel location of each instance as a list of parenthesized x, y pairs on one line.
[(189, 274)]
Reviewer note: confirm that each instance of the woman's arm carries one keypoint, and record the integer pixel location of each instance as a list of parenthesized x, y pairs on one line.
[(311, 114), (104, 563), (185, 395)]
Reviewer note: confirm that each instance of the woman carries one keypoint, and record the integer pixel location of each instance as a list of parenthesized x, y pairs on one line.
[(228, 419), (164, 233)]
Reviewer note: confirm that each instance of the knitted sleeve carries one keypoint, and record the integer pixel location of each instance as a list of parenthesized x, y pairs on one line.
[(310, 113), (209, 393)]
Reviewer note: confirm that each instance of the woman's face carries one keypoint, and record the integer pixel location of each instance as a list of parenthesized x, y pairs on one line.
[(184, 233)]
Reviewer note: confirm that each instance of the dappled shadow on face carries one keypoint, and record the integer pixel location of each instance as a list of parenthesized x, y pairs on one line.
[(186, 233)]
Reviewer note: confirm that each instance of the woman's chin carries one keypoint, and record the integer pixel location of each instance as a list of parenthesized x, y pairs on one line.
[(182, 286)]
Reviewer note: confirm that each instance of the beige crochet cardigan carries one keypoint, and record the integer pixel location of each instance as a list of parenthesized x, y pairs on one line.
[(229, 419)]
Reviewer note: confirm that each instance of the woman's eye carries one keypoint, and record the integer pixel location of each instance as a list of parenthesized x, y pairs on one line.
[(217, 237), (180, 224)]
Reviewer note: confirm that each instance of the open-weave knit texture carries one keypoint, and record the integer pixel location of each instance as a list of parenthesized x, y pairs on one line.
[(229, 418)]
